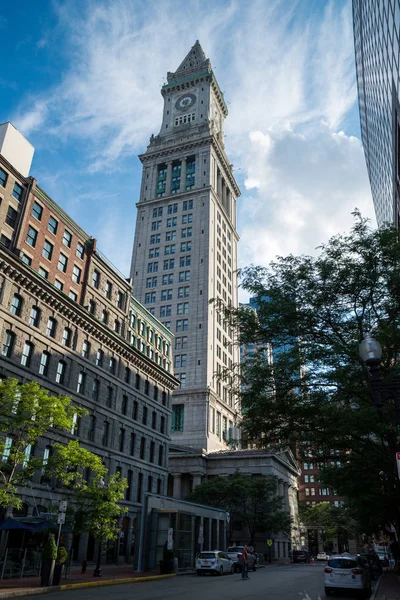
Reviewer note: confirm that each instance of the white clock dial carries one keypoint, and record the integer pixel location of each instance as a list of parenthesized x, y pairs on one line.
[(186, 101)]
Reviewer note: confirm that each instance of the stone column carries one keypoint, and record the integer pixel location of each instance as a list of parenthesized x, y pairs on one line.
[(286, 491), (169, 179), (183, 175), (177, 489), (196, 479)]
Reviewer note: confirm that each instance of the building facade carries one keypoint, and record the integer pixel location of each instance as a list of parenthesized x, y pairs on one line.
[(185, 249), (376, 41), (67, 321)]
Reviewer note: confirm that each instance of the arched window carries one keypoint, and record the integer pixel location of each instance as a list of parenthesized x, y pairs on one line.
[(61, 370), (27, 353), (86, 349), (8, 343), (99, 358), (16, 305), (44, 364), (67, 337)]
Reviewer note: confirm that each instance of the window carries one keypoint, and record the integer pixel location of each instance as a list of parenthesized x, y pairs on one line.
[(7, 449), (16, 305), (155, 238), (182, 379), (187, 219), (121, 300), (3, 178), (95, 389), (91, 428), (184, 276), (73, 295), (169, 249), (182, 308), (121, 439), (112, 364), (31, 236), (132, 443), (162, 424), (186, 246), (85, 349), (17, 191), (80, 388), (177, 417), (144, 415), (99, 358), (154, 252), (150, 298), (104, 316), (8, 343), (139, 488), (127, 375), (51, 327), (172, 208), (67, 238), (183, 292), (154, 420), (142, 447), (187, 205), (135, 410), (92, 307), (182, 325), (312, 491), (180, 361), (11, 217), (151, 282), (59, 284), (175, 183), (37, 211), (124, 404), (52, 225), (76, 274), (157, 212), (186, 232), (26, 259), (105, 433), (181, 342), (47, 251), (60, 375), (80, 250), (185, 261), (96, 279), (34, 318), (27, 354), (156, 225), (44, 364), (152, 267), (62, 263), (43, 273), (161, 181), (5, 241), (170, 236), (151, 453), (171, 222), (166, 311), (108, 290)]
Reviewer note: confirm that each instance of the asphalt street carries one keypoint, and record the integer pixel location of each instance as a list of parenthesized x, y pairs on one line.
[(291, 582)]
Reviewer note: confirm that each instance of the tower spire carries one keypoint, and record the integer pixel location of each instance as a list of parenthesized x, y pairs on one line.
[(194, 60)]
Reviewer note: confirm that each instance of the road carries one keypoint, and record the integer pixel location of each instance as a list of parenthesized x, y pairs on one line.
[(290, 582)]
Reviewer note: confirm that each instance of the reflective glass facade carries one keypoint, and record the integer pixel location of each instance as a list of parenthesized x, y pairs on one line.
[(376, 39)]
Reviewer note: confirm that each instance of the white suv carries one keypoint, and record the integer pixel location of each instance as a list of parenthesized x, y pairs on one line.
[(213, 561), (344, 572)]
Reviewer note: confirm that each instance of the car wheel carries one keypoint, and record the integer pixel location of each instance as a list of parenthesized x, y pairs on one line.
[(199, 573), (221, 571), (232, 570), (328, 591)]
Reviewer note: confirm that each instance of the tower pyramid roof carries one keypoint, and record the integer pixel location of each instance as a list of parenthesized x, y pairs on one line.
[(194, 60)]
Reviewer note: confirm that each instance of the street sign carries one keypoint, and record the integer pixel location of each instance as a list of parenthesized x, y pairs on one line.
[(398, 463), (170, 539), (228, 517), (62, 506), (61, 518), (269, 543)]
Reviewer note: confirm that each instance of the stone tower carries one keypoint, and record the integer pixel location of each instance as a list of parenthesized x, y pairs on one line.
[(185, 249)]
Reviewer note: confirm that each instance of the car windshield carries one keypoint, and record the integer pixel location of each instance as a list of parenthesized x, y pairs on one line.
[(207, 555), (342, 563), (235, 549)]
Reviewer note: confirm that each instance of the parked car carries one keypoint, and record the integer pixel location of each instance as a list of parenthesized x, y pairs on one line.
[(322, 556), (215, 562), (301, 556), (347, 572), (374, 563), (235, 554)]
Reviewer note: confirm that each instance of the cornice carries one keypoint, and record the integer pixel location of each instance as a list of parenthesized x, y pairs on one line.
[(27, 278)]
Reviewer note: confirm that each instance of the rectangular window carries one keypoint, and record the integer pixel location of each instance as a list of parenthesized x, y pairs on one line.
[(60, 375), (67, 238), (218, 428), (172, 209), (187, 219), (47, 251), (80, 250), (161, 181), (51, 327), (43, 273), (37, 211), (182, 325), (52, 225), (59, 285), (31, 236), (108, 290), (8, 343), (170, 236), (177, 420), (44, 364), (175, 182), (26, 354), (17, 191), (168, 279), (73, 295), (185, 261), (26, 259), (62, 263), (3, 178), (183, 308), (96, 279), (166, 295), (11, 217), (142, 447), (76, 274), (180, 361), (187, 205), (172, 222)]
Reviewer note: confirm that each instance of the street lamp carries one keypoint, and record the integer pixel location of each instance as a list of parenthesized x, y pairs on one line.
[(97, 571), (371, 354)]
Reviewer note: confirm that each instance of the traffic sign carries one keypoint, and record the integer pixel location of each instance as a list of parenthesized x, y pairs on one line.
[(269, 543), (62, 506), (61, 518)]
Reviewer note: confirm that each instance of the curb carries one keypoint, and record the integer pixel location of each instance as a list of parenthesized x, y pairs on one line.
[(376, 588), (74, 586)]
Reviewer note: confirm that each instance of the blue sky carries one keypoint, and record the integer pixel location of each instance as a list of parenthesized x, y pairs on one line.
[(82, 79)]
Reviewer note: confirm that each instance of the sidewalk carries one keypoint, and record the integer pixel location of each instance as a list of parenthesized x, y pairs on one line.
[(111, 574), (389, 587)]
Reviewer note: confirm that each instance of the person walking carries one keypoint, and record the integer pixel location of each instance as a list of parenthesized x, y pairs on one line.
[(245, 563)]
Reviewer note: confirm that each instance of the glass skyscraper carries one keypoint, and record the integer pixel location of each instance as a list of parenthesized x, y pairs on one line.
[(376, 39)]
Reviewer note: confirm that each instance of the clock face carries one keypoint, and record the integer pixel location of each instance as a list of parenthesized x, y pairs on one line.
[(186, 101)]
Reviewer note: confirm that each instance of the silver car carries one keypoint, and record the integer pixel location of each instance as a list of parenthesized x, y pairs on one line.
[(213, 561)]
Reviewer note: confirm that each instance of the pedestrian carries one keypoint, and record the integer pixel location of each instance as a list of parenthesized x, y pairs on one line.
[(84, 565), (245, 563)]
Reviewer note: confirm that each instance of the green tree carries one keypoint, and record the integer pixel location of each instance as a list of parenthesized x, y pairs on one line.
[(27, 412), (313, 312), (333, 521), (253, 501)]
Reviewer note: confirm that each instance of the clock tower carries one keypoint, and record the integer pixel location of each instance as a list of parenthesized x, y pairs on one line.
[(185, 250)]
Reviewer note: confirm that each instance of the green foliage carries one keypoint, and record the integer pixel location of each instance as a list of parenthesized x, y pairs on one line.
[(313, 312), (98, 509), (251, 500), (50, 549), (62, 555), (333, 521)]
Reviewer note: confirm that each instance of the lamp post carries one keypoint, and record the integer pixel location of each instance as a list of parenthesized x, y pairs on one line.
[(371, 354), (97, 570)]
